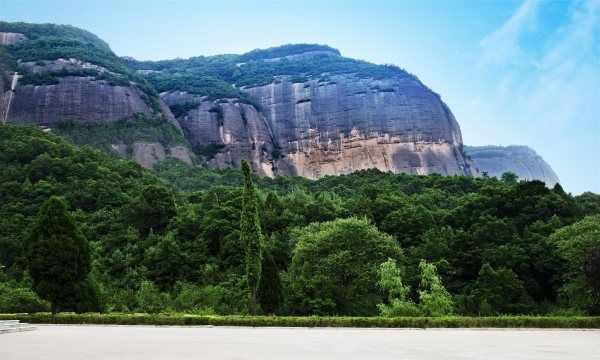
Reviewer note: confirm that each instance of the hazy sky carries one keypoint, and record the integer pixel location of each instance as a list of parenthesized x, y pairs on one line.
[(512, 72)]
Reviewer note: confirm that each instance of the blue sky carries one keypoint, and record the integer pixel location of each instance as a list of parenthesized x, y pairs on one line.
[(513, 72)]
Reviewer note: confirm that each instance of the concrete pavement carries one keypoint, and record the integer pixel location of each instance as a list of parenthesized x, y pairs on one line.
[(66, 342)]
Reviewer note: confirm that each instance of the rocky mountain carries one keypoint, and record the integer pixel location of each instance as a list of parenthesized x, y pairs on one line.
[(521, 160), (54, 73), (306, 110), (299, 109)]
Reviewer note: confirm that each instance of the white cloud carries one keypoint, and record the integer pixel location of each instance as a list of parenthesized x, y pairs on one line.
[(502, 46), (551, 87)]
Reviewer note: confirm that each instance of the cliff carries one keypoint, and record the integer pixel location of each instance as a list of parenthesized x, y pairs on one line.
[(58, 73), (521, 160), (305, 110)]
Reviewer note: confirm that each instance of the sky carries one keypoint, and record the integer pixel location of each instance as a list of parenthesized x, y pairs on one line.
[(513, 72)]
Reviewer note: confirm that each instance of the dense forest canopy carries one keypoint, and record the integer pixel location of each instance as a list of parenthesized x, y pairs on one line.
[(169, 239)]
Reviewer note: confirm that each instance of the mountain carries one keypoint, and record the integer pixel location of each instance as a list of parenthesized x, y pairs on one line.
[(54, 73), (306, 110), (521, 160), (300, 109)]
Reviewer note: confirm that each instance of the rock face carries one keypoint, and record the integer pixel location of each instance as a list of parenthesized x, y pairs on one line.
[(9, 38), (521, 160), (74, 98), (149, 153), (345, 124)]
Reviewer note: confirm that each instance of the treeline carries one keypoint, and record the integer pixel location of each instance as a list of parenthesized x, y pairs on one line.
[(368, 243)]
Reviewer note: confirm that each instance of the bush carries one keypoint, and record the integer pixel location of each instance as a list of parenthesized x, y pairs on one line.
[(314, 321), (20, 300)]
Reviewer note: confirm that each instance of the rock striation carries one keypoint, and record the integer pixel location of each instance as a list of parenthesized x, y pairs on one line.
[(521, 160), (318, 128), (74, 98)]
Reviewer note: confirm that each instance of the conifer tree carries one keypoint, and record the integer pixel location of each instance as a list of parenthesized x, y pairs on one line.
[(270, 290), (250, 234), (58, 256)]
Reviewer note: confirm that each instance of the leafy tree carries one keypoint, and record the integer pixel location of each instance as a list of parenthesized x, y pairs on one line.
[(498, 291), (152, 209), (509, 178), (433, 296), (391, 282), (18, 300), (150, 299), (250, 234), (334, 267), (58, 256), (166, 263), (575, 243), (270, 289), (591, 267)]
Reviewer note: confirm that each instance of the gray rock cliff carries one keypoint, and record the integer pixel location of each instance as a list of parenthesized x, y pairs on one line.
[(521, 160)]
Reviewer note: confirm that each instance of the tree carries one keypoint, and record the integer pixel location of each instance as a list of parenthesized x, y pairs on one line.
[(433, 297), (334, 267), (498, 291), (152, 209), (250, 234), (576, 245), (270, 290), (509, 178), (391, 282), (58, 256)]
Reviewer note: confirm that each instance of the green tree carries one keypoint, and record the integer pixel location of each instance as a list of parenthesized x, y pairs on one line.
[(509, 178), (152, 209), (433, 296), (58, 256), (575, 244), (391, 282), (498, 291), (270, 290), (250, 234), (334, 269)]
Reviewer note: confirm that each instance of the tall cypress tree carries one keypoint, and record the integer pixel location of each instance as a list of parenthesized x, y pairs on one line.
[(270, 290), (250, 234), (58, 256)]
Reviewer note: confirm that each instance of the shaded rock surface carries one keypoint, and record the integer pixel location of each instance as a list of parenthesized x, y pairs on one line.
[(521, 160), (74, 98), (149, 153), (344, 124)]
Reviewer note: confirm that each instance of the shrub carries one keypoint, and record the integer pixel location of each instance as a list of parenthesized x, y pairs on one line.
[(20, 300)]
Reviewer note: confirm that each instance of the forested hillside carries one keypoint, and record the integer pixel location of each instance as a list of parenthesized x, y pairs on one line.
[(366, 243)]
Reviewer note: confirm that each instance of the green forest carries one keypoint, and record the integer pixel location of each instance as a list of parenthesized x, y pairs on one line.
[(84, 231)]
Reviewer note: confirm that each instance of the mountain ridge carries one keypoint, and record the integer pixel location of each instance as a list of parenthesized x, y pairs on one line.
[(295, 109)]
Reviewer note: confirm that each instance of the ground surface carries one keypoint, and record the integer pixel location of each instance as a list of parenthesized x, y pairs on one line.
[(68, 342)]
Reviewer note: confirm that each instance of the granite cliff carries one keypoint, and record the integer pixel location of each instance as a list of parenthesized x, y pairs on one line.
[(52, 73), (521, 160), (305, 110)]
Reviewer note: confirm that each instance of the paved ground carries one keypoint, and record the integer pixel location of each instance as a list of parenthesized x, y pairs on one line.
[(170, 343)]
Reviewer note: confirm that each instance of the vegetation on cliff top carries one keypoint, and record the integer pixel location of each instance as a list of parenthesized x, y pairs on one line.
[(221, 76)]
